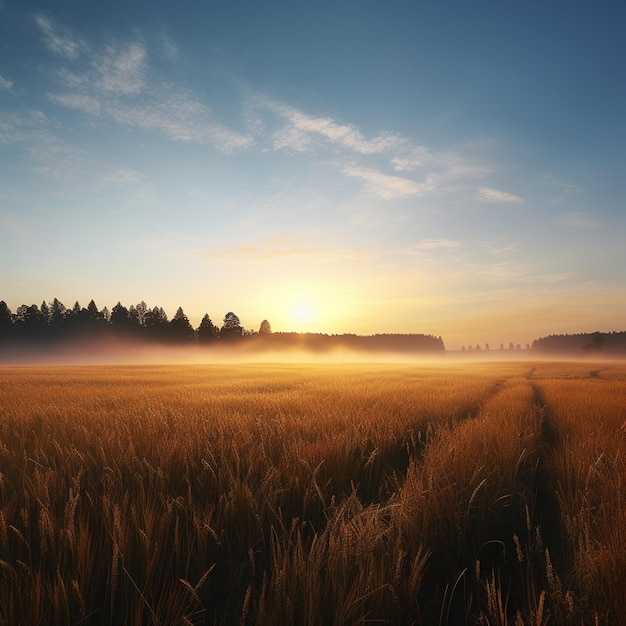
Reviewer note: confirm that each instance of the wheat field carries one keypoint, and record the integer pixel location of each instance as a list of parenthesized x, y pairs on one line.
[(480, 493)]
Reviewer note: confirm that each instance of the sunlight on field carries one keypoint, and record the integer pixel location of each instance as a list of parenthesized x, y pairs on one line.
[(313, 494)]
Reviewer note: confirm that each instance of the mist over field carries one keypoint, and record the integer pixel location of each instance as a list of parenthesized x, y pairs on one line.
[(113, 353), (55, 334), (127, 352)]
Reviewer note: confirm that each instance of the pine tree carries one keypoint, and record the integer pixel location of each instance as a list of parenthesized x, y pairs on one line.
[(180, 328), (207, 331), (6, 322)]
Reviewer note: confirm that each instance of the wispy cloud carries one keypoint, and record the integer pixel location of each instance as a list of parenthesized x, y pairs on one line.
[(418, 156), (493, 195), (282, 247), (301, 131), (433, 244), (54, 158), (499, 249), (449, 165), (122, 70), (62, 162), (169, 47), (5, 84), (289, 246), (175, 113), (547, 279), (388, 187), (58, 38), (504, 272), (121, 176), (519, 273), (77, 101), (391, 166), (20, 126), (298, 131), (577, 219), (120, 84)]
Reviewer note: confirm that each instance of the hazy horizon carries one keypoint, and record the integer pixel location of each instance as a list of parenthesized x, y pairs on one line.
[(453, 170), (120, 351)]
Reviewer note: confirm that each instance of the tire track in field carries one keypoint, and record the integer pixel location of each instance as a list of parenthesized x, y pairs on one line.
[(499, 553), (394, 462), (495, 389), (497, 528), (488, 534), (545, 515), (547, 510)]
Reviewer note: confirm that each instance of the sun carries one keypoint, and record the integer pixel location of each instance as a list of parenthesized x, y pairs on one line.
[(302, 313)]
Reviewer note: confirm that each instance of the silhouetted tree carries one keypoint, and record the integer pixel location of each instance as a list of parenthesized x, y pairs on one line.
[(156, 323), (207, 331), (6, 322), (79, 321), (29, 324), (95, 319), (57, 318), (120, 319), (180, 328), (265, 328), (133, 319), (142, 310), (44, 309), (73, 319), (232, 327)]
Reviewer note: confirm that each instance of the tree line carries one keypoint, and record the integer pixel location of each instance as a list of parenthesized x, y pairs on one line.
[(583, 343), (478, 348), (52, 322)]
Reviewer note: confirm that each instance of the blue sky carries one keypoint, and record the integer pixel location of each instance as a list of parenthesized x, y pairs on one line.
[(455, 168)]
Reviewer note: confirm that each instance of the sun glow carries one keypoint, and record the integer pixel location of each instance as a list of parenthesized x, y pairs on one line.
[(302, 313), (307, 308)]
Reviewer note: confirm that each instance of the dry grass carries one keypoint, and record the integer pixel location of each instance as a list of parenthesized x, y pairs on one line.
[(308, 494), (588, 475)]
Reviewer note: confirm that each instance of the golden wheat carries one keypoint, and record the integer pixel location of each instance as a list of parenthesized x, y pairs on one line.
[(309, 494)]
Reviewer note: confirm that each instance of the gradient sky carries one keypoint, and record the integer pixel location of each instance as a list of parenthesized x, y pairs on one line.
[(454, 168)]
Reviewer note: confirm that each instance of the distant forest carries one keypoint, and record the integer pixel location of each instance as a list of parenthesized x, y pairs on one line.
[(53, 323), (582, 343)]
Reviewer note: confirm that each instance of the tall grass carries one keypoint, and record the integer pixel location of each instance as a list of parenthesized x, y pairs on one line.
[(588, 475), (292, 494)]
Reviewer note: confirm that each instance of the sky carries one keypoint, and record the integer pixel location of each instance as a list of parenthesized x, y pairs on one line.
[(454, 168)]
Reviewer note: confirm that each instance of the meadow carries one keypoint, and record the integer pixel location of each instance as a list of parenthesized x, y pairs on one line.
[(307, 494)]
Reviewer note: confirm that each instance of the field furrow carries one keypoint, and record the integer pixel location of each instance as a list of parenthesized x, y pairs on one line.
[(587, 478)]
